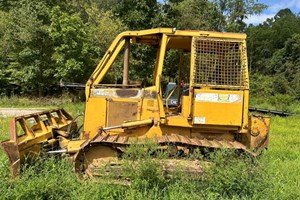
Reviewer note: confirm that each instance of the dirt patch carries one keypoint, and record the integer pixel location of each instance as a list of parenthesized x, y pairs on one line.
[(13, 112)]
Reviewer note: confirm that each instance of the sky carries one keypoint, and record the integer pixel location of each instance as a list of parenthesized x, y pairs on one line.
[(273, 7)]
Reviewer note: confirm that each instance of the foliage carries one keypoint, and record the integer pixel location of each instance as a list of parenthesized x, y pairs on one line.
[(68, 32), (234, 12), (274, 51), (137, 14), (44, 42), (269, 37), (216, 15), (196, 15), (28, 63)]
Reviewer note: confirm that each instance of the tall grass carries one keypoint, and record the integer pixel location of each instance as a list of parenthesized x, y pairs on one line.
[(275, 174)]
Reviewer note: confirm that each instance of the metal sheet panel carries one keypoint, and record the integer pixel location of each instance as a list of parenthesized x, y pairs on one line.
[(120, 111), (218, 107)]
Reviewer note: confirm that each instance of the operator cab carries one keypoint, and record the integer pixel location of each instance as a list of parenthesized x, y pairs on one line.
[(134, 76), (180, 78)]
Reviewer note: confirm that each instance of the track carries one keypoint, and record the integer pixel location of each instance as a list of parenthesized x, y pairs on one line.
[(103, 153), (174, 139)]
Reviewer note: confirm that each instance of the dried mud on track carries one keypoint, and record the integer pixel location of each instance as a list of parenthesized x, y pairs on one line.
[(13, 112)]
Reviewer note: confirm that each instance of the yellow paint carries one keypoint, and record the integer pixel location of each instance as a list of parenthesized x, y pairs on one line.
[(218, 111), (95, 115), (74, 145)]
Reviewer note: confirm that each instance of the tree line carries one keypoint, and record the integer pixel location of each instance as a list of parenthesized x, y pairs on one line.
[(274, 58), (45, 41)]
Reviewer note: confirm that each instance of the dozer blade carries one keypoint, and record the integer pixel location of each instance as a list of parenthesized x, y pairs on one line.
[(32, 134)]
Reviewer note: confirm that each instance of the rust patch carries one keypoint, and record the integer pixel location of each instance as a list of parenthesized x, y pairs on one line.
[(150, 94), (125, 93), (259, 132), (13, 130), (118, 112), (12, 152)]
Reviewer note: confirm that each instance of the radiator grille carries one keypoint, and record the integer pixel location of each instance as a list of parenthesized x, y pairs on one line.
[(219, 63)]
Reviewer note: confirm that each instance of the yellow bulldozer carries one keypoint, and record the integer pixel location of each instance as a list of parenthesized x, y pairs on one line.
[(205, 107)]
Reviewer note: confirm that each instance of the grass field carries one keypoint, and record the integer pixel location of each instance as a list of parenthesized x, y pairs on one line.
[(276, 175)]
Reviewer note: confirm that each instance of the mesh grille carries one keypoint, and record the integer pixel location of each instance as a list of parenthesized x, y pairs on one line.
[(219, 63)]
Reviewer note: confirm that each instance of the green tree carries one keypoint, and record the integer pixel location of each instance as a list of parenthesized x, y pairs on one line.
[(284, 26), (137, 14), (221, 15), (30, 47), (45, 41), (4, 73), (196, 14), (286, 63), (234, 12), (102, 28), (267, 38), (68, 33), (274, 49)]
